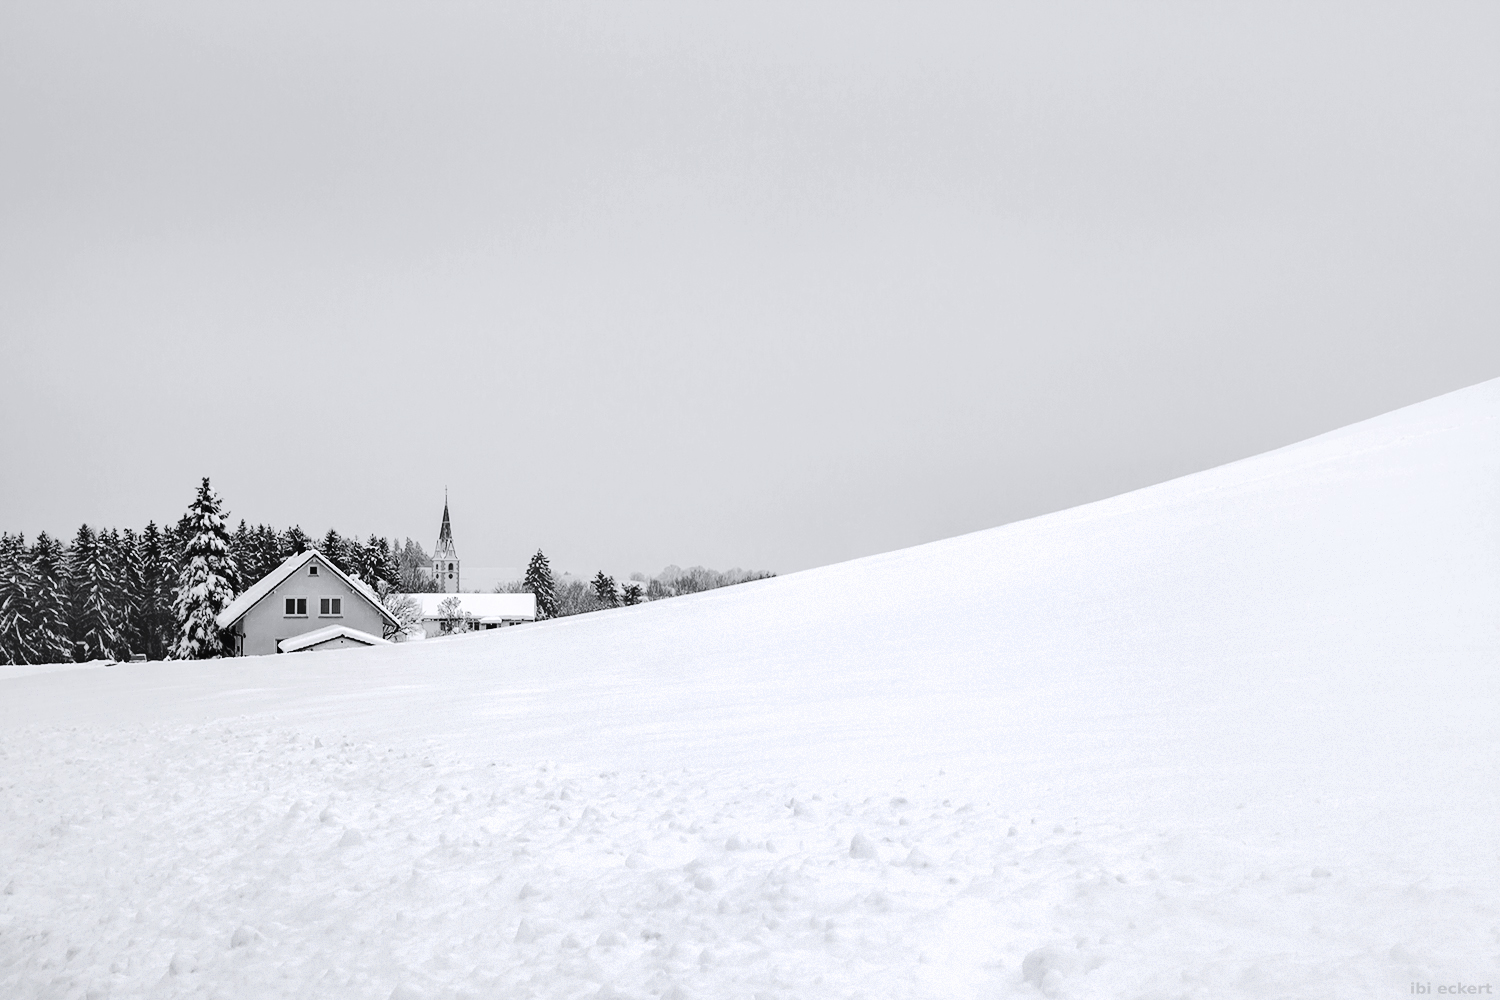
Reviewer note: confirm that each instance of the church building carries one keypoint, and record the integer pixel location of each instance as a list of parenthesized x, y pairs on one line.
[(445, 556)]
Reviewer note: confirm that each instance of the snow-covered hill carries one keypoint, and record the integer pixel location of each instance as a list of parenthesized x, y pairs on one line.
[(1232, 735)]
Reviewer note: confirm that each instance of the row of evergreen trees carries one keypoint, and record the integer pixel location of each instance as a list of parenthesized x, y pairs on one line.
[(110, 594), (572, 597), (106, 593), (258, 550)]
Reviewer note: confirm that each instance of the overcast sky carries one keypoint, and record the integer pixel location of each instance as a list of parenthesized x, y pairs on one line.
[(771, 286)]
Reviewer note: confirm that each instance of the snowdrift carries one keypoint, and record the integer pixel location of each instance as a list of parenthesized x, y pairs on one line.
[(1230, 735)]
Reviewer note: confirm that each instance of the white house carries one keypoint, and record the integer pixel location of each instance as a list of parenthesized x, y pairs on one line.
[(486, 611), (306, 603)]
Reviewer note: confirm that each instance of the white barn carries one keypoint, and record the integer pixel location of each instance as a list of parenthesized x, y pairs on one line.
[(487, 611)]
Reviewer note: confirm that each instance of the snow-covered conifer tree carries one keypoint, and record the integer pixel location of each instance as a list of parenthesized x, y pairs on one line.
[(631, 595), (49, 627), (121, 595), (240, 544), (356, 559), (16, 612), (205, 585), (130, 575), (157, 584), (539, 581), (91, 593), (272, 550), (178, 536), (604, 590), (381, 563), (336, 551), (295, 542), (262, 554)]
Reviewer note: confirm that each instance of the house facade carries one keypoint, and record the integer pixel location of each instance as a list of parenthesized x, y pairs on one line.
[(305, 594)]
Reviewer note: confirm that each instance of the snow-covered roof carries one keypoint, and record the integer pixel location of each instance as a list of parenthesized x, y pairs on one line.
[(262, 588), (316, 636), (509, 607)]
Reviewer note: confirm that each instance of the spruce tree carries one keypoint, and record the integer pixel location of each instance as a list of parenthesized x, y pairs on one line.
[(539, 581), (130, 574), (16, 612), (119, 594), (179, 536), (335, 550), (10, 598), (240, 549), (604, 590), (204, 585), (356, 559), (294, 542), (91, 591), (381, 563), (49, 629), (266, 554), (156, 594), (631, 595), (273, 550)]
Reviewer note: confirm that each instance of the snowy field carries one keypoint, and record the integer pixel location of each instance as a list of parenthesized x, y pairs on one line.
[(1231, 736)]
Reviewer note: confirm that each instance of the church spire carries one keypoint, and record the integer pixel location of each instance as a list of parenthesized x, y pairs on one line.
[(445, 533), (445, 555)]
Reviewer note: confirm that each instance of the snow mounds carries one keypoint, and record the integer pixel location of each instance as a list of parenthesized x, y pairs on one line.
[(178, 862)]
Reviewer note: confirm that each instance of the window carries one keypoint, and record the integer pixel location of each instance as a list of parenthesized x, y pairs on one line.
[(312, 569), (296, 607), (450, 565), (331, 607)]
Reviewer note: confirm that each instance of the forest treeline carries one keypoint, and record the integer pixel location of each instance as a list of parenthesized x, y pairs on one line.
[(108, 594)]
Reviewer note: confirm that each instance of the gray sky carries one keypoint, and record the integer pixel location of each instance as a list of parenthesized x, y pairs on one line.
[(771, 287)]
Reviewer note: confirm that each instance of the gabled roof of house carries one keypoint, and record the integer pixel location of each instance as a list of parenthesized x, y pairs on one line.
[(263, 587), (321, 635)]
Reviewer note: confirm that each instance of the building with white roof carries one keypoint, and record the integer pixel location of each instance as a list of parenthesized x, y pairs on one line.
[(330, 637), (305, 594), (482, 611)]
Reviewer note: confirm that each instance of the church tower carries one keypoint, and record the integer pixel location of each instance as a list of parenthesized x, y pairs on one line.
[(445, 556)]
